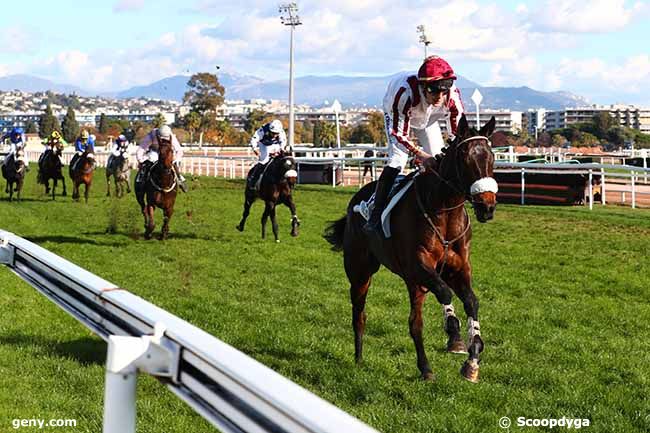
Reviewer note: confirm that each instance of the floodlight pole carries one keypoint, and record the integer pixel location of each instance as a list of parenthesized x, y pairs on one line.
[(424, 39), (289, 17)]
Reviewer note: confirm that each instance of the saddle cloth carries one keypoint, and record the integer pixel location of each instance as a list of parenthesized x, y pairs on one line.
[(400, 187)]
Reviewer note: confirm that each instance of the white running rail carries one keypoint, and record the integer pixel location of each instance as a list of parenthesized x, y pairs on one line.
[(232, 391)]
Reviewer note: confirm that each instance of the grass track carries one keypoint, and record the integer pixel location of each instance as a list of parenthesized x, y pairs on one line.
[(564, 295)]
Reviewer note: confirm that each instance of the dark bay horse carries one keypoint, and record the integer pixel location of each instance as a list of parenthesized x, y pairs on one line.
[(50, 167), (82, 173), (276, 186), (119, 170), (430, 244), (156, 186), (14, 172)]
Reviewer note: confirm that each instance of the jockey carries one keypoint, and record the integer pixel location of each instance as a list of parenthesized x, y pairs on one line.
[(120, 146), (267, 141), (148, 151), (416, 102), (52, 142), (82, 144), (16, 141)]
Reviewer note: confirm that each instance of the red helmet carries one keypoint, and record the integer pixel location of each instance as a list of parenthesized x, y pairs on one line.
[(435, 68)]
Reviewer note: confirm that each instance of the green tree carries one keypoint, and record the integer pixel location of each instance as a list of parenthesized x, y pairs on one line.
[(318, 126), (159, 120), (558, 140), (31, 128), (377, 126), (328, 134), (254, 119), (192, 123), (362, 133), (47, 123), (602, 123), (205, 95), (70, 126), (103, 124)]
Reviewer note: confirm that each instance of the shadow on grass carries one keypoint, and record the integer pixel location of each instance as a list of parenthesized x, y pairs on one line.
[(139, 236), (71, 240), (86, 350)]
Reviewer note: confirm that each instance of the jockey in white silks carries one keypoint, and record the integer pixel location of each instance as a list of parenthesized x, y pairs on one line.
[(147, 150), (267, 141)]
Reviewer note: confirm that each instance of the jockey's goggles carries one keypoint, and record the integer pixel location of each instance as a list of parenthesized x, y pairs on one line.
[(439, 86)]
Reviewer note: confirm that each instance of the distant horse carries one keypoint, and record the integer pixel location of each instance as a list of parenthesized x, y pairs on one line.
[(430, 244), (121, 173), (14, 172), (82, 173), (275, 186), (50, 167), (156, 186)]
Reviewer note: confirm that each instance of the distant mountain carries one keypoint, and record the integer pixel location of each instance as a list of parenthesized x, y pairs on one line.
[(521, 98), (315, 90), (173, 88), (29, 83), (312, 90)]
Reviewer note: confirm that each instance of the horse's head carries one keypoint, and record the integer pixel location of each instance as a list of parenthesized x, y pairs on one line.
[(288, 169), (165, 152), (475, 167)]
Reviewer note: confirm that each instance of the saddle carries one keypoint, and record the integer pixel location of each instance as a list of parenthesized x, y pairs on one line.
[(400, 187)]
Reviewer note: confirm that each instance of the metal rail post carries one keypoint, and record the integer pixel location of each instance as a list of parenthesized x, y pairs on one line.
[(602, 187), (523, 184), (591, 190), (633, 189)]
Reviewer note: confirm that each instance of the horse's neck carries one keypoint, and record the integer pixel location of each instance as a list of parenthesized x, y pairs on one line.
[(439, 191)]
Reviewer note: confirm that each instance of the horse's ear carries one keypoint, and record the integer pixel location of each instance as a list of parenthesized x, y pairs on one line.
[(488, 128), (463, 126)]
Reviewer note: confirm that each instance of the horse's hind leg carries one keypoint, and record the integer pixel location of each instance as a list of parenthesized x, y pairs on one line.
[(359, 268), (461, 284), (108, 185)]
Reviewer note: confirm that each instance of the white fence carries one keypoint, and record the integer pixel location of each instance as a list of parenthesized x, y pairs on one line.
[(229, 389)]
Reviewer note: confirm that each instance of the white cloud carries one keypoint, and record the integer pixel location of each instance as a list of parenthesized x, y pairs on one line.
[(128, 5), (16, 40), (576, 16)]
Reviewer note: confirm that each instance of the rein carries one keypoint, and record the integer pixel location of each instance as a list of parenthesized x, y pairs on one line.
[(158, 187), (445, 243)]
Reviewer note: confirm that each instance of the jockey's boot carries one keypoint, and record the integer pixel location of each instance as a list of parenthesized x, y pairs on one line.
[(180, 178), (253, 174), (384, 185)]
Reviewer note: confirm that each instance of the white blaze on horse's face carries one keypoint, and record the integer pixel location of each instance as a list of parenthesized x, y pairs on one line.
[(483, 190)]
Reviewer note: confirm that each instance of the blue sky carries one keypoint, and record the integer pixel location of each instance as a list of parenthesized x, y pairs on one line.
[(599, 51)]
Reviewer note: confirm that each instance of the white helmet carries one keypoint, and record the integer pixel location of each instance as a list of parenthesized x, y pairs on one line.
[(275, 126), (165, 132)]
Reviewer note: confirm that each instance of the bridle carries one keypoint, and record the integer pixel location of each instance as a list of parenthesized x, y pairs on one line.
[(479, 184)]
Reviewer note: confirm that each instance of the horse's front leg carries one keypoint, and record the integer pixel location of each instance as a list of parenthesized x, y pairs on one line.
[(149, 224), (274, 223), (248, 202), (462, 286), (86, 191), (295, 222), (167, 212), (265, 216), (108, 186), (64, 193)]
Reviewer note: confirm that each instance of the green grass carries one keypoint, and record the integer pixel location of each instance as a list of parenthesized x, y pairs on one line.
[(564, 313)]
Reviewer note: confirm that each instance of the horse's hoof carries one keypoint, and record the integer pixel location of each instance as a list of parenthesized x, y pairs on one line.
[(277, 241), (457, 346), (469, 370), (240, 228), (295, 235), (429, 376)]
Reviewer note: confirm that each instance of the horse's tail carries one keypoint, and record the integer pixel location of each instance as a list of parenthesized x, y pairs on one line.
[(335, 232)]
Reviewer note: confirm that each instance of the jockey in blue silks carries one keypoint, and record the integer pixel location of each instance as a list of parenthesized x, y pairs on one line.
[(16, 140), (83, 143)]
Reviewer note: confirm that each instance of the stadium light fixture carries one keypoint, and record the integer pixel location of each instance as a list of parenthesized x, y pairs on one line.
[(289, 17)]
